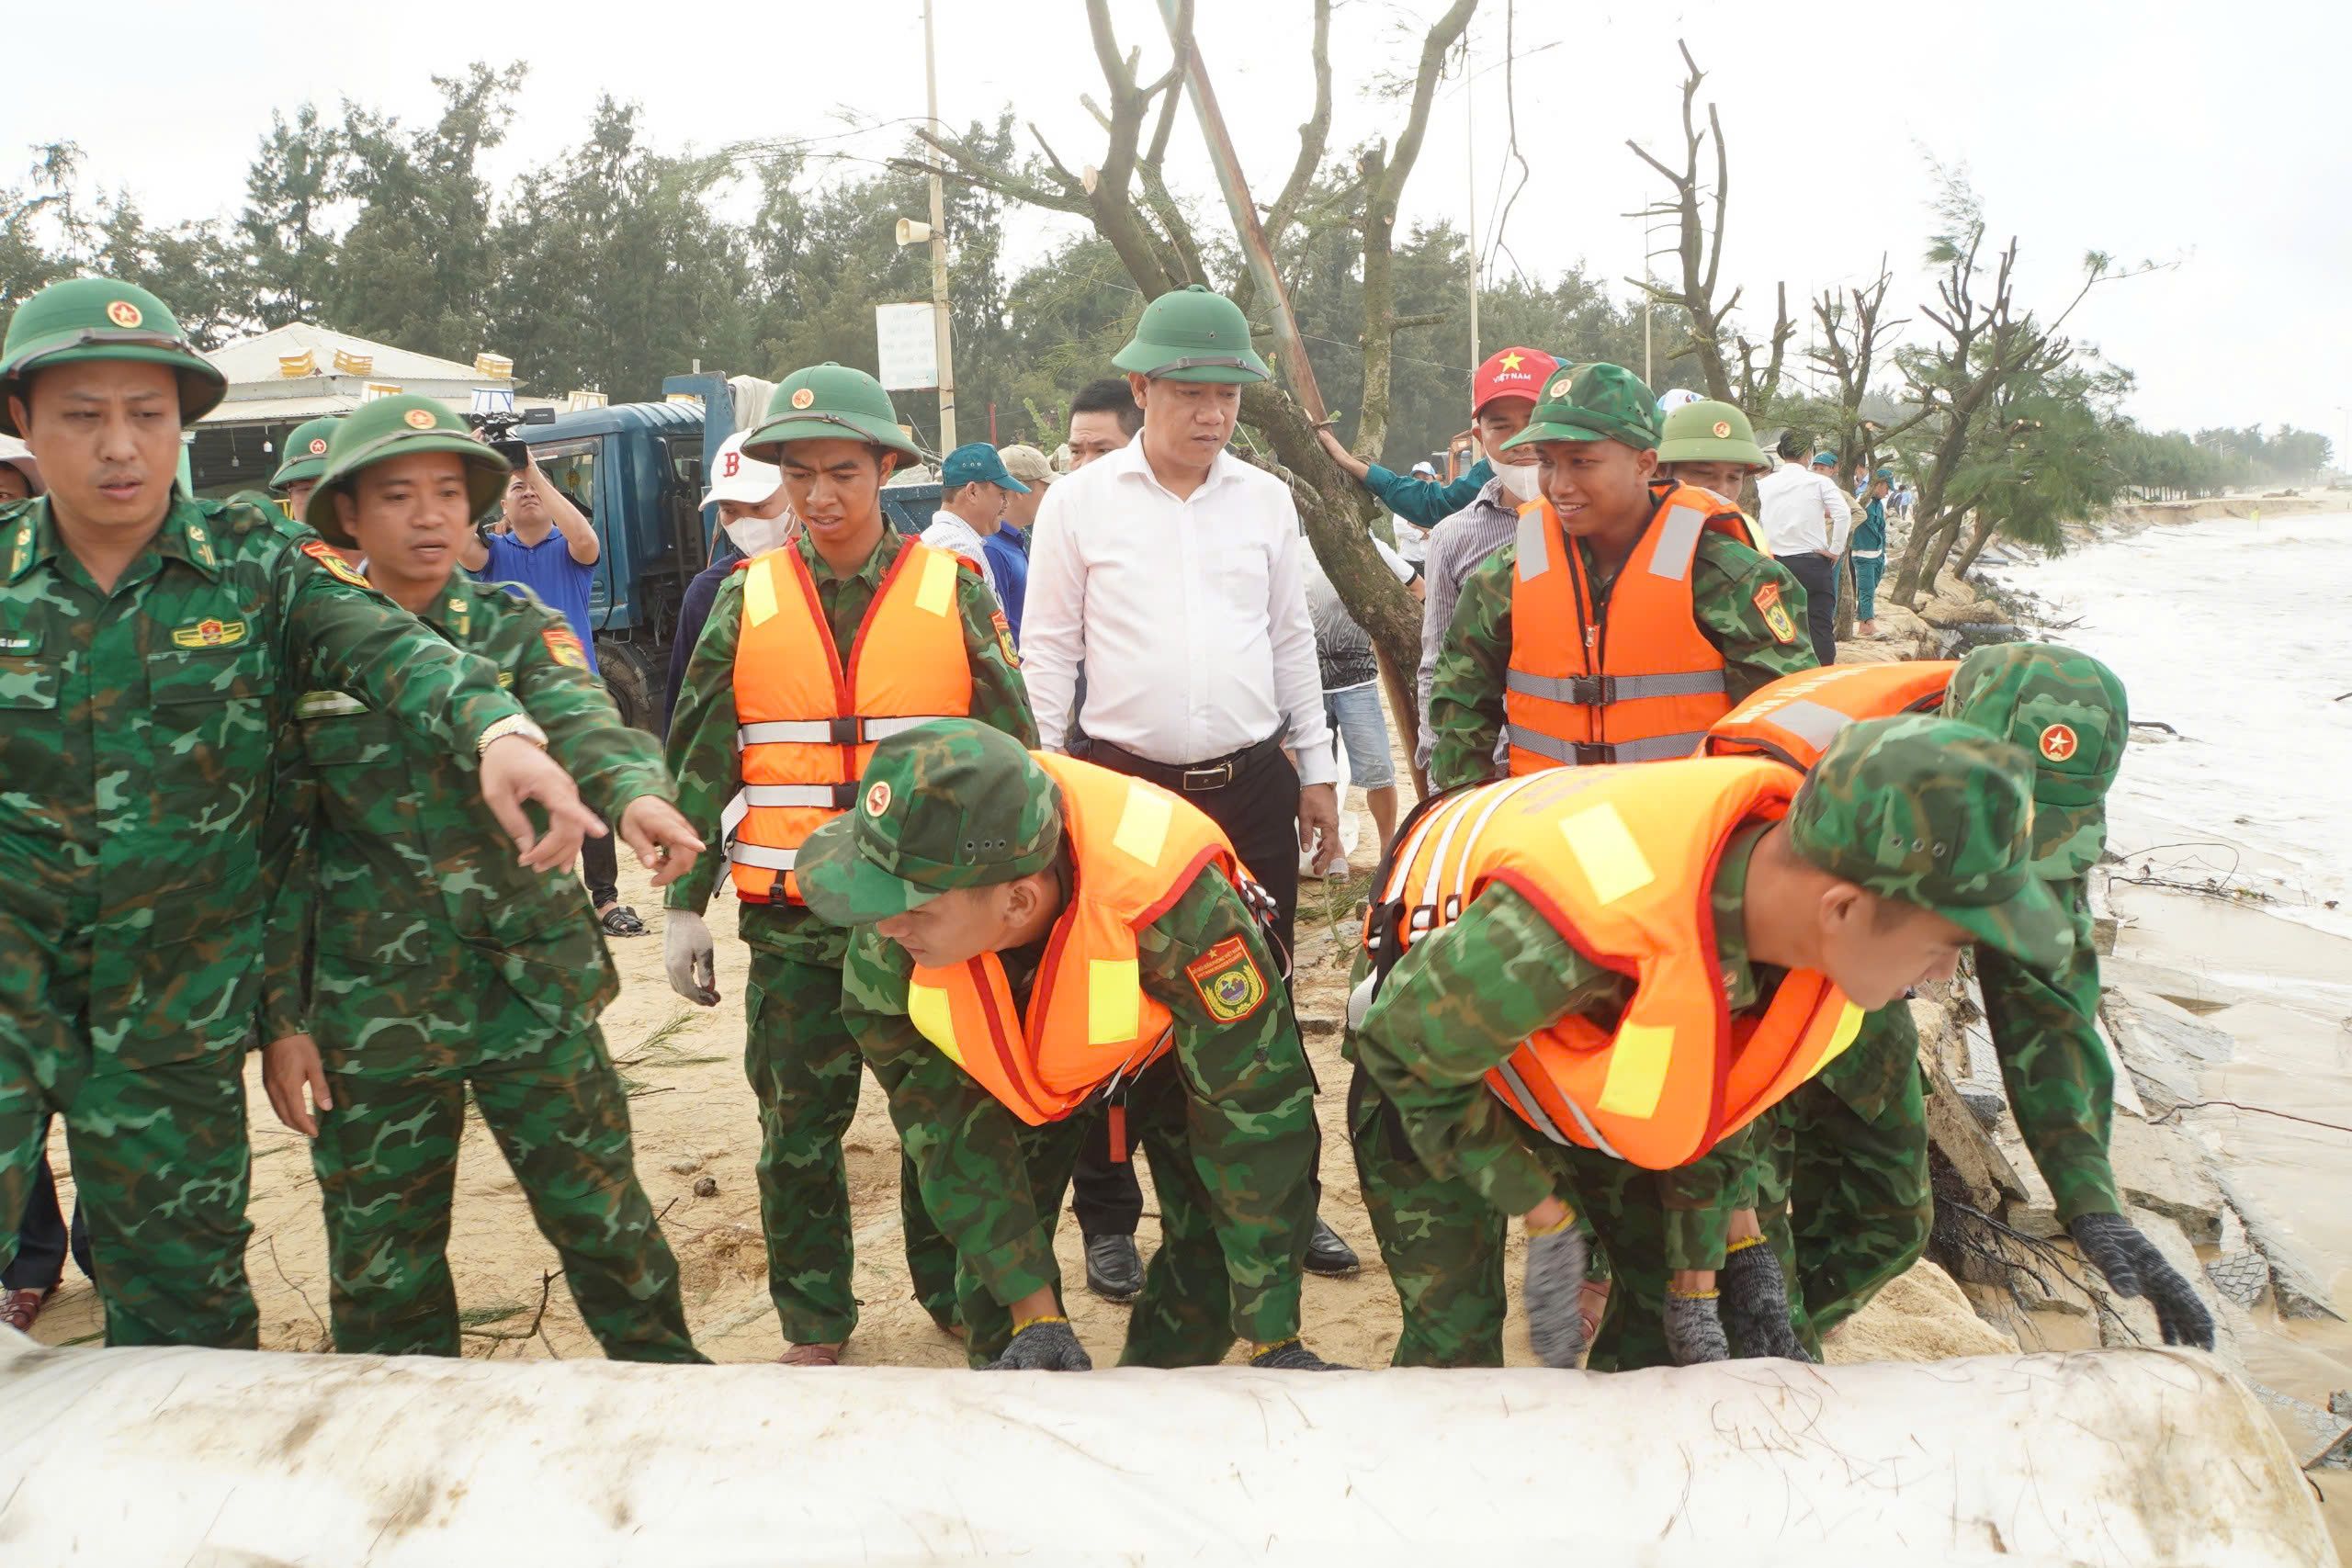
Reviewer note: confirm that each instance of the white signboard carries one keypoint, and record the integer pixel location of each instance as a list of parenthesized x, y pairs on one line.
[(908, 346)]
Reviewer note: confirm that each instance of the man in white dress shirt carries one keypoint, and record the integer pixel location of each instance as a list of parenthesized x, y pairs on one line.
[(1176, 573), (1805, 515)]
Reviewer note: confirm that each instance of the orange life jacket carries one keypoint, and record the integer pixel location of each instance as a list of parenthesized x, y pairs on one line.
[(1621, 862), (1638, 684), (1795, 719), (1135, 848), (807, 719)]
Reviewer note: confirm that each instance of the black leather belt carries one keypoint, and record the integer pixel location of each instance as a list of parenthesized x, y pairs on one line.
[(1186, 778)]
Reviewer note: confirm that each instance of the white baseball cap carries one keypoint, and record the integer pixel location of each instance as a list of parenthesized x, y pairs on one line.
[(20, 457), (734, 477)]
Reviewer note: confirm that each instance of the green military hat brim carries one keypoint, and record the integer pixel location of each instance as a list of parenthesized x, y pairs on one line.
[(201, 385), (486, 474), (1164, 364), (2031, 925), (766, 443), (1712, 450), (295, 471), (843, 886)]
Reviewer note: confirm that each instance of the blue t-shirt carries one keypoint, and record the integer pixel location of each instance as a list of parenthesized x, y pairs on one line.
[(547, 569), (1007, 553)]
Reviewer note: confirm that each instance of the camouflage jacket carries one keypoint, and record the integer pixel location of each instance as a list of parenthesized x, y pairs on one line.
[(702, 729), (1461, 1001), (400, 923), (1467, 688), (1251, 1097), (2061, 1083), (137, 730)]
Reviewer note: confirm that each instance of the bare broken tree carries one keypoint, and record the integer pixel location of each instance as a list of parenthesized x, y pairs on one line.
[(1700, 245), (1156, 240), (1853, 330), (1760, 384)]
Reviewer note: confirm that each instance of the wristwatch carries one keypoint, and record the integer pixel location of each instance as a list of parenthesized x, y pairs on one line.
[(513, 724)]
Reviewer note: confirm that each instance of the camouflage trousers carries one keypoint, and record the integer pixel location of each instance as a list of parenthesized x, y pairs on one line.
[(804, 1068), (159, 1156), (386, 1162), (1184, 1317), (1845, 1199)]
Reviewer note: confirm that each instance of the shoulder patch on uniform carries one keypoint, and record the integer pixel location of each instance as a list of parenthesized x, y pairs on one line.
[(337, 566), (1775, 614), (1004, 638), (564, 648), (1228, 981)]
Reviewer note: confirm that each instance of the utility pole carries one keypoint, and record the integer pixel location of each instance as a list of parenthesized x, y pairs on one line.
[(1470, 185), (939, 248)]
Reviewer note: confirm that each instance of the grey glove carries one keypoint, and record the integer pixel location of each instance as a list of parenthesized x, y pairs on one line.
[(1556, 1264), (1048, 1345), (2134, 1267), (1291, 1356), (687, 955), (1694, 1331), (1755, 1305)]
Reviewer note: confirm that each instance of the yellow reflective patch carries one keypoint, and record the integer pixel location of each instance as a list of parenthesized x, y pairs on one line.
[(928, 1011), (1612, 862), (759, 593), (935, 595), (1637, 1062), (1143, 824), (1849, 1024), (1113, 1001)]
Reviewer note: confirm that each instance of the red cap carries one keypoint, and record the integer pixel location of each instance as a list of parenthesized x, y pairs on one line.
[(1512, 373)]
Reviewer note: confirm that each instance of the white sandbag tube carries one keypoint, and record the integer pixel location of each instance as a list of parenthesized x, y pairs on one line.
[(2137, 1458)]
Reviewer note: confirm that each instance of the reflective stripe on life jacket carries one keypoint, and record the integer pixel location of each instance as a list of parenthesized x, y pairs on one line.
[(1621, 862), (807, 719), (1638, 683), (1795, 719), (1135, 849)]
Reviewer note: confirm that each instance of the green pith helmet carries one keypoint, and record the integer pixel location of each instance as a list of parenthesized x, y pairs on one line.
[(1929, 811), (305, 453), (1710, 432), (1192, 334), (98, 317), (946, 805), (401, 427), (828, 402), (2069, 713), (1599, 402)]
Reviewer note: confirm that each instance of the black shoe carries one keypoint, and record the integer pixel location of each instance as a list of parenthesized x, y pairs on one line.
[(619, 920), (1114, 1268), (1328, 1256)]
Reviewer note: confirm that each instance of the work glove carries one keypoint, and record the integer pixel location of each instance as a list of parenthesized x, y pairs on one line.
[(687, 955), (2134, 1267), (1754, 1304), (1694, 1328), (1043, 1345), (1555, 1265), (1292, 1355)]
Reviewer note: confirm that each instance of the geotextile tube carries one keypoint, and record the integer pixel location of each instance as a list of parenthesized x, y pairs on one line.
[(209, 1457)]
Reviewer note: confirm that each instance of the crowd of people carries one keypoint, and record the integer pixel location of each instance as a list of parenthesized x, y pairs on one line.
[(1016, 813)]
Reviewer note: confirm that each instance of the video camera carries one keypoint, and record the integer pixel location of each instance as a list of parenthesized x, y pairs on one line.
[(498, 431)]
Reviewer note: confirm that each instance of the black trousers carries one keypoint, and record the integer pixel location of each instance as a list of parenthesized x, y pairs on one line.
[(600, 863), (42, 1240), (1259, 811), (1818, 573)]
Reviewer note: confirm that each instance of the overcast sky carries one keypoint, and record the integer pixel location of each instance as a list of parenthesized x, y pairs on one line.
[(2181, 132)]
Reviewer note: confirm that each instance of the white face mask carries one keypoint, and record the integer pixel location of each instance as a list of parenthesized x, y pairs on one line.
[(757, 535), (1521, 481)]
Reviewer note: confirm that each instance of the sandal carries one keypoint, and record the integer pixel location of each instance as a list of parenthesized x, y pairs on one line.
[(621, 920), (810, 1356)]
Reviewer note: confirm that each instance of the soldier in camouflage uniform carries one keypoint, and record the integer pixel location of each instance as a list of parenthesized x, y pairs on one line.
[(833, 433), (410, 962), (306, 459), (1746, 604), (1851, 1161), (962, 847), (1459, 1003), (151, 647)]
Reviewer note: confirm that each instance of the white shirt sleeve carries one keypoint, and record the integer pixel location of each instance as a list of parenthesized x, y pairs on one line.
[(1396, 564), (1298, 679), (1841, 516), (1053, 624)]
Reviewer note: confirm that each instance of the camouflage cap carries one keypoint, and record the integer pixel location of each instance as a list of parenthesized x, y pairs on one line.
[(305, 453), (2067, 710), (1928, 811), (401, 427), (1593, 402), (946, 805)]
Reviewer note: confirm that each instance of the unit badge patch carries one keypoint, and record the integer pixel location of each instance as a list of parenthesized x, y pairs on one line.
[(209, 633), (564, 648), (1004, 639), (337, 566), (1776, 615), (1228, 979)]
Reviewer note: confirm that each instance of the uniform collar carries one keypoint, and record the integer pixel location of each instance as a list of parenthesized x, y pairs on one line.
[(186, 535), (886, 550), (1729, 902), (31, 537), (452, 611)]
